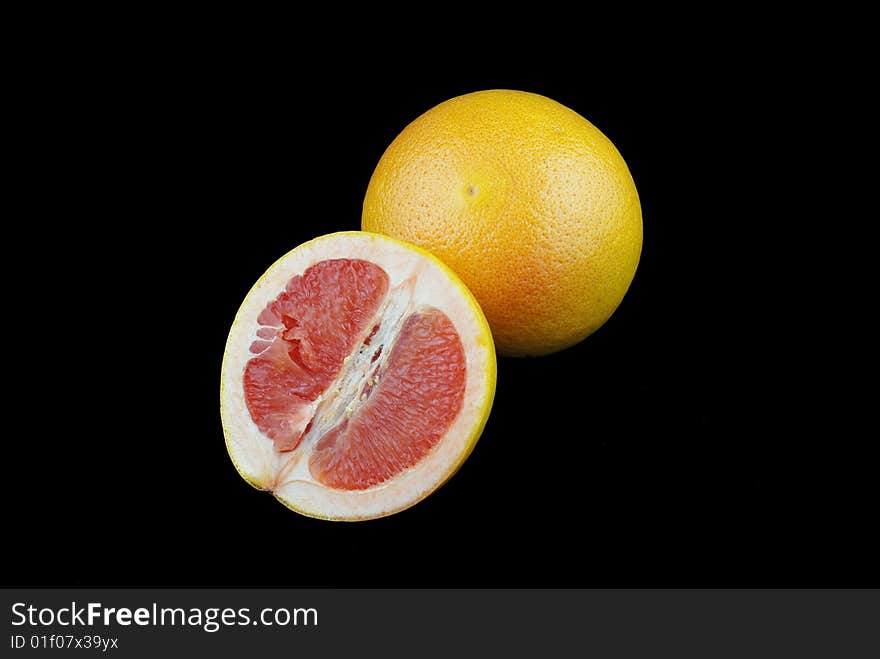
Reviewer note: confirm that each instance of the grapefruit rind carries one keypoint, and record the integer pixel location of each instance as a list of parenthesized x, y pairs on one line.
[(287, 475)]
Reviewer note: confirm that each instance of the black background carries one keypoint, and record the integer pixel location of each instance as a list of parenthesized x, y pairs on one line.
[(682, 444)]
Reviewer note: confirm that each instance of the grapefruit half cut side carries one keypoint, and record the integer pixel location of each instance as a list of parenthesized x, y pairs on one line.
[(358, 375)]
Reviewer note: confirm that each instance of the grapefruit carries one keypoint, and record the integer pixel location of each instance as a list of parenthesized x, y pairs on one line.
[(358, 375), (527, 201)]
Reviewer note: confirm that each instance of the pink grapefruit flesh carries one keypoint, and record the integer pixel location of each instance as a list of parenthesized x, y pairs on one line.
[(407, 404), (306, 333), (406, 413)]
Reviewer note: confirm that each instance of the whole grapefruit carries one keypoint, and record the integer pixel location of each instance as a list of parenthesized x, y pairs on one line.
[(527, 201)]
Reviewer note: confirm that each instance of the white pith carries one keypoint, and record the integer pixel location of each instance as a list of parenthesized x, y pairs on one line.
[(343, 395), (414, 280)]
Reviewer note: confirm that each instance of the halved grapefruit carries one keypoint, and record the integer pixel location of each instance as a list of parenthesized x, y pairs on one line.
[(358, 375)]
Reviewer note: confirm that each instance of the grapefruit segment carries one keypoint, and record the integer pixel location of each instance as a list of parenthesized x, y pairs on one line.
[(307, 332), (407, 408), (358, 375)]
